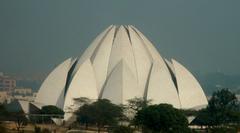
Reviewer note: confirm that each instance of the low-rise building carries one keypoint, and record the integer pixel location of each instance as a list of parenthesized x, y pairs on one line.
[(23, 91), (25, 94), (34, 94), (7, 83), (238, 96), (29, 98), (3, 97)]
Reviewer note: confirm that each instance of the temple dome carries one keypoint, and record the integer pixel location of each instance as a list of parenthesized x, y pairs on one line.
[(121, 64)]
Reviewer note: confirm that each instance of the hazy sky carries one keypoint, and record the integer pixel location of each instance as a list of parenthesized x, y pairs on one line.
[(35, 36)]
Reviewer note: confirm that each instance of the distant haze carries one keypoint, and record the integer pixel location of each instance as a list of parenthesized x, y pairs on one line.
[(35, 36)]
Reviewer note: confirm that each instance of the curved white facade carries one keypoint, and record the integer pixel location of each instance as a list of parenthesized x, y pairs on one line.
[(52, 89), (120, 64)]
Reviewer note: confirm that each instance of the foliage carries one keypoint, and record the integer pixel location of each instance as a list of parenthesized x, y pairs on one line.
[(84, 115), (203, 118), (137, 104), (51, 110), (162, 118), (122, 129), (190, 112), (133, 106), (19, 119), (78, 102), (223, 108), (14, 113), (102, 112), (82, 100)]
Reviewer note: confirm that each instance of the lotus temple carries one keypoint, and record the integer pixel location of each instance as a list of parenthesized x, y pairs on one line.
[(120, 64)]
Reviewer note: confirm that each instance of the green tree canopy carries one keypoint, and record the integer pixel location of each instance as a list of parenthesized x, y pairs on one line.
[(48, 112), (223, 108), (84, 115), (137, 104), (162, 118), (133, 106), (102, 112), (50, 109)]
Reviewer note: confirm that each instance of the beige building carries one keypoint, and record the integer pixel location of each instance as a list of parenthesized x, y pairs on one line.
[(23, 91), (3, 96), (7, 83), (238, 97), (34, 94), (24, 94), (29, 98)]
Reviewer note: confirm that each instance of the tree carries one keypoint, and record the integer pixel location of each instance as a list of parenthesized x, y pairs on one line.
[(133, 106), (82, 100), (78, 102), (51, 110), (137, 104), (203, 118), (162, 118), (223, 108), (84, 115), (102, 113), (189, 112), (14, 113), (19, 119)]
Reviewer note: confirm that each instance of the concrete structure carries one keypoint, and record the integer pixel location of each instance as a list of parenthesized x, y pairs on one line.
[(29, 98), (120, 64), (7, 83), (22, 91), (3, 97)]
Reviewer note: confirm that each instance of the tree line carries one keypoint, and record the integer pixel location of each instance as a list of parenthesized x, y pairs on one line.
[(222, 114)]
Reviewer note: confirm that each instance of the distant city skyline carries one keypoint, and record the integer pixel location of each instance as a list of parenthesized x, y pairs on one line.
[(36, 36)]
